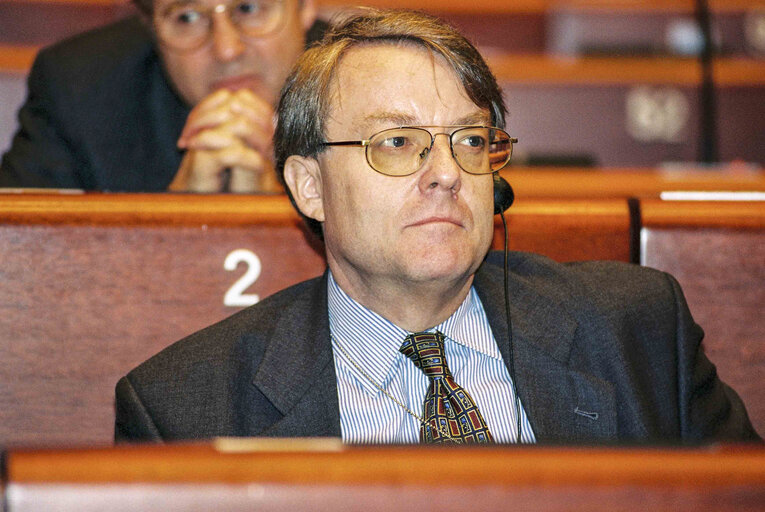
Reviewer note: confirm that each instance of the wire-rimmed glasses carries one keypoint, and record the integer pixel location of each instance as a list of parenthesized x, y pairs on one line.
[(402, 151), (188, 24)]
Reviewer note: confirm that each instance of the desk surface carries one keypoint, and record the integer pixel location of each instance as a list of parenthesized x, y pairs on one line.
[(284, 474), (306, 460)]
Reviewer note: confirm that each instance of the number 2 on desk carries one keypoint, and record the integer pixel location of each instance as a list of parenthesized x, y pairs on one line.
[(235, 295)]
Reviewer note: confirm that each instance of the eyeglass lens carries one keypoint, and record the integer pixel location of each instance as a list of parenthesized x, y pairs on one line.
[(402, 151), (187, 24)]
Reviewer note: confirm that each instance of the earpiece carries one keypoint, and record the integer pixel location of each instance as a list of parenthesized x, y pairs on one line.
[(503, 194)]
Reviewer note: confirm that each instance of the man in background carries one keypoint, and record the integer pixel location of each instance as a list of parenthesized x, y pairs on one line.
[(180, 98)]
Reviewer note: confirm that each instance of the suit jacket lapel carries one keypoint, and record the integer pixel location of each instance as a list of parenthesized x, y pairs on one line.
[(297, 373), (563, 404)]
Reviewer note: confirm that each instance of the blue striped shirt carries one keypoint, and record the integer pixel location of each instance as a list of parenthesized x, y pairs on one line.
[(367, 415)]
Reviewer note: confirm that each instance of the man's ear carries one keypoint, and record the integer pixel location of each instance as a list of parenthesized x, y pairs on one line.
[(303, 177), (308, 13)]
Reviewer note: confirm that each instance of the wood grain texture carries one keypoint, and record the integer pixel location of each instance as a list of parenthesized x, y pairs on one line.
[(81, 305), (276, 497), (381, 478), (278, 462), (568, 230), (703, 214), (92, 287), (717, 253), (146, 209)]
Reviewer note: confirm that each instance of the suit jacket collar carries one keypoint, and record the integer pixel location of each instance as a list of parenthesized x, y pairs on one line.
[(297, 373)]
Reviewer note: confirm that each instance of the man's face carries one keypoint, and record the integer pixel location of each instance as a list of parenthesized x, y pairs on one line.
[(230, 60), (432, 226)]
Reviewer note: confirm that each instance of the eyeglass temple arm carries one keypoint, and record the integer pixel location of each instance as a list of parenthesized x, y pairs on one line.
[(347, 143)]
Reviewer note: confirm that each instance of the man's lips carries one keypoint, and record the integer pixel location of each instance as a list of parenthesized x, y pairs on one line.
[(436, 220)]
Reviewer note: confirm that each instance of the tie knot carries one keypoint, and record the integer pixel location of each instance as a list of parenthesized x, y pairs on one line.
[(426, 350)]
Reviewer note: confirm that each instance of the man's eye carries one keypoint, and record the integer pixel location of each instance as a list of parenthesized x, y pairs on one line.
[(186, 17), (249, 8), (395, 142), (473, 141)]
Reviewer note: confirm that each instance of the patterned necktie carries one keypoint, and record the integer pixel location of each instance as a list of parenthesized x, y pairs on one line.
[(449, 410)]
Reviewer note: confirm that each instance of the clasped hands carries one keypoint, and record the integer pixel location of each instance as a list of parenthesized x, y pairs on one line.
[(227, 139)]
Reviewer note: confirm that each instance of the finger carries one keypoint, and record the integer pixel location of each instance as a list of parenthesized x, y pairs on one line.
[(243, 181), (180, 182), (246, 102), (251, 134), (208, 119), (238, 130), (248, 181), (206, 173), (239, 155), (213, 102), (213, 139)]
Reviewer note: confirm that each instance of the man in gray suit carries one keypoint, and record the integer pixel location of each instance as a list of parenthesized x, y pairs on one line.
[(389, 137)]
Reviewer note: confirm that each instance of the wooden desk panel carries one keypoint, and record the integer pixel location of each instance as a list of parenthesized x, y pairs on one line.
[(92, 287), (717, 253), (289, 475), (569, 230)]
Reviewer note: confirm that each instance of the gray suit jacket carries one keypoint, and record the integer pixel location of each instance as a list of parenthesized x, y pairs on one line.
[(604, 353)]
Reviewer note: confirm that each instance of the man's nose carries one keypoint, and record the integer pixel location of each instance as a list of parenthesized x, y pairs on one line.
[(227, 42), (441, 170)]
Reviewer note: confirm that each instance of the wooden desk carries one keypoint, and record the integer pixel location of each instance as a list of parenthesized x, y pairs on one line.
[(569, 229), (716, 250), (626, 182), (94, 284), (295, 475)]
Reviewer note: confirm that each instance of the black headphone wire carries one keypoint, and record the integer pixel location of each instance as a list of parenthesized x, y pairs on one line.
[(509, 320)]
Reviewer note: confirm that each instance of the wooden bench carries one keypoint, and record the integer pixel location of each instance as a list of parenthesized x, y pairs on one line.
[(716, 250), (93, 284), (321, 475)]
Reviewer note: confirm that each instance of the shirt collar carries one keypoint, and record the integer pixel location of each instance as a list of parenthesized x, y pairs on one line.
[(372, 341)]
